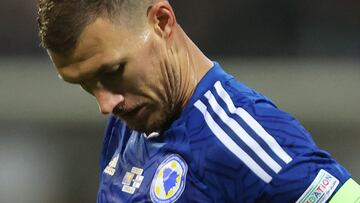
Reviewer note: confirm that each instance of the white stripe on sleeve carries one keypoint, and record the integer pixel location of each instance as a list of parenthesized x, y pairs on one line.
[(242, 134), (231, 145), (268, 139)]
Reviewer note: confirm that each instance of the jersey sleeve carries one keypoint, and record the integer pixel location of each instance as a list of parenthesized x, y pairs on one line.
[(267, 154), (312, 175)]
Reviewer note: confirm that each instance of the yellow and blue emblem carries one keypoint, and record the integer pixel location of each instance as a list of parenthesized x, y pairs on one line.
[(169, 181)]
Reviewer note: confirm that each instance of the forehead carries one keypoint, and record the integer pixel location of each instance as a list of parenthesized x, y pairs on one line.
[(101, 43), (101, 36)]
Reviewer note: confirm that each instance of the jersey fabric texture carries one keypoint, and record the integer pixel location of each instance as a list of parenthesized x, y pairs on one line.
[(230, 144)]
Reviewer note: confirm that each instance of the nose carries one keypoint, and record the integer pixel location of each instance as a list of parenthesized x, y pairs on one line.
[(107, 100)]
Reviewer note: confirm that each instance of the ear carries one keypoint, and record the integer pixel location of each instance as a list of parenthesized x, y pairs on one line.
[(162, 17)]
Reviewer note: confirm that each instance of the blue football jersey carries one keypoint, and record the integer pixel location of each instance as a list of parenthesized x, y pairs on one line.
[(230, 144)]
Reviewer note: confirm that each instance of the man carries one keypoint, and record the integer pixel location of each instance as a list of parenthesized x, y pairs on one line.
[(180, 128)]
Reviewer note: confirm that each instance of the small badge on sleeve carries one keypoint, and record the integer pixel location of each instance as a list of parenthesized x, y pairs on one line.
[(320, 189), (169, 180)]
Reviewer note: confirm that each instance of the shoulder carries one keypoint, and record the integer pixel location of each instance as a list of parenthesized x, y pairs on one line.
[(266, 147), (243, 154), (227, 110)]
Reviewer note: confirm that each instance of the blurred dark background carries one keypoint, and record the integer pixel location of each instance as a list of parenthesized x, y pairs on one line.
[(247, 28), (302, 54)]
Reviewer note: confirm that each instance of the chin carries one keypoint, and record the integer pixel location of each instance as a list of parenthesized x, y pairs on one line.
[(155, 123)]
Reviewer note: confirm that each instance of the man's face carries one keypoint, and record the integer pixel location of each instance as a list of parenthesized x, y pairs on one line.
[(125, 70)]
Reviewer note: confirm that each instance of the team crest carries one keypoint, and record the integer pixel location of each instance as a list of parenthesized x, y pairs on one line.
[(169, 181)]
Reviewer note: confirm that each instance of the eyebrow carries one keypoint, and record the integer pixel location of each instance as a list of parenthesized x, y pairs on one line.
[(85, 69)]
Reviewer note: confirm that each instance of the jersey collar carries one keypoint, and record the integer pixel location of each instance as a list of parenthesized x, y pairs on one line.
[(215, 73)]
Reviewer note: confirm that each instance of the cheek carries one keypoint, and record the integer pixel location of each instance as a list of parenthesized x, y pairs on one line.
[(146, 71)]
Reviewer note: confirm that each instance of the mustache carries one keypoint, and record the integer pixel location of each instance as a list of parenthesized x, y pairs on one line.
[(123, 109)]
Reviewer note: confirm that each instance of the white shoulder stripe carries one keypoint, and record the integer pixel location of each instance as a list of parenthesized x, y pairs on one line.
[(268, 139), (231, 145), (242, 134)]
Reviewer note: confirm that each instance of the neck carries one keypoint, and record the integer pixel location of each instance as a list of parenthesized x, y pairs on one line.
[(193, 65)]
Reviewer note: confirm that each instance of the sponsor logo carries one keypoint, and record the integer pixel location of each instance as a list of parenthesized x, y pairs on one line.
[(320, 189), (169, 181), (111, 167), (132, 180)]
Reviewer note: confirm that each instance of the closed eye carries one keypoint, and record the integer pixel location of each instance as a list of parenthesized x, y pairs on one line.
[(112, 76), (114, 69)]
